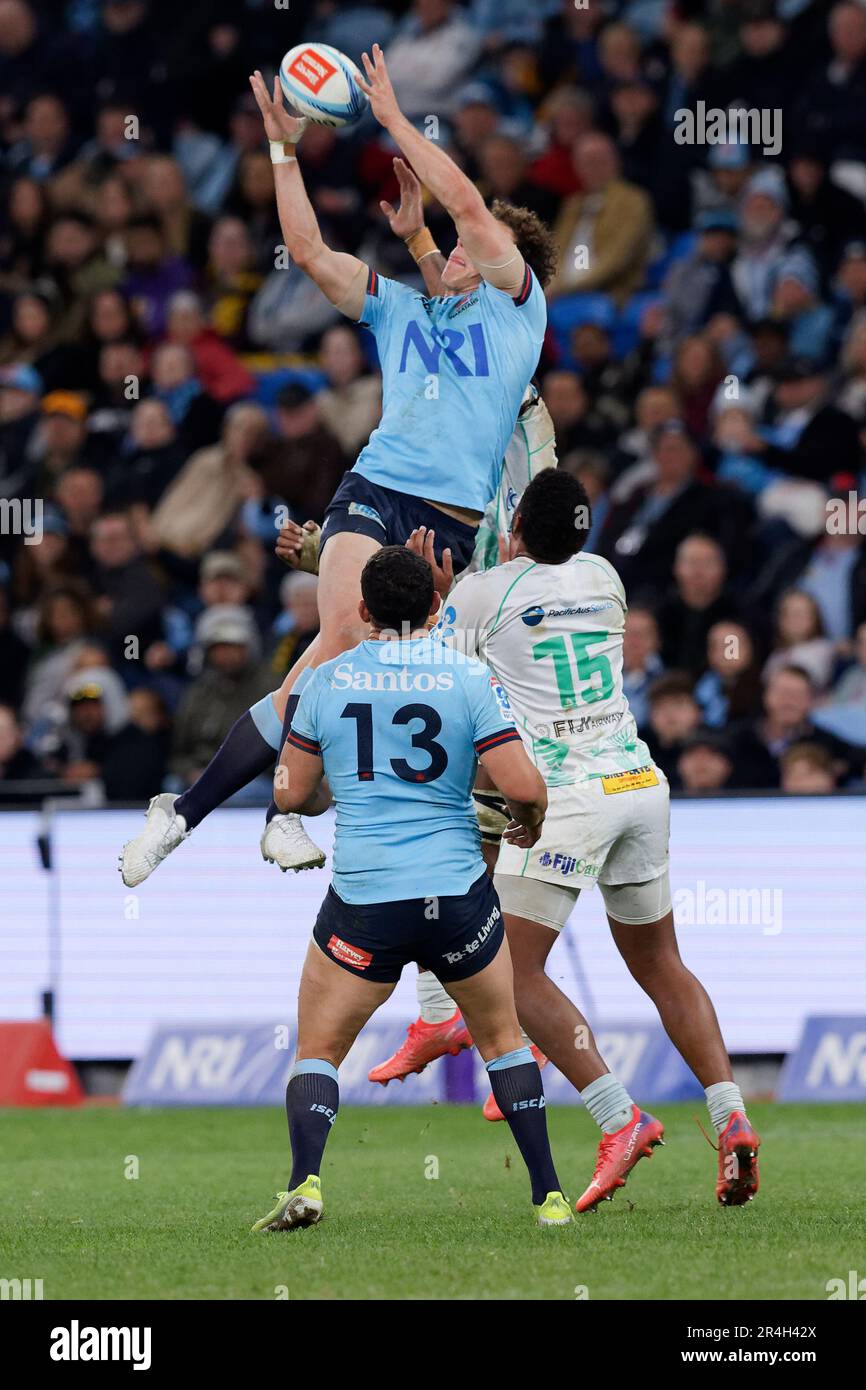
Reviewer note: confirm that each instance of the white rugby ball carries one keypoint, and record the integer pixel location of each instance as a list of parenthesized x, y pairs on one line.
[(320, 82)]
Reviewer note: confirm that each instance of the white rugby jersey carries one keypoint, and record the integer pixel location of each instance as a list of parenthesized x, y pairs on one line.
[(531, 449), (552, 635)]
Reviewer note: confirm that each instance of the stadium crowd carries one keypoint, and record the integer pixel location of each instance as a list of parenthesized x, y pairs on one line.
[(167, 382)]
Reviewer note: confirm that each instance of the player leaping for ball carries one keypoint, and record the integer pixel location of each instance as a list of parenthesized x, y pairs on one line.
[(455, 368)]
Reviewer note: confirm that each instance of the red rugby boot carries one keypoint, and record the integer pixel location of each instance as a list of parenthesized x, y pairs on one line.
[(617, 1155), (738, 1178), (424, 1043)]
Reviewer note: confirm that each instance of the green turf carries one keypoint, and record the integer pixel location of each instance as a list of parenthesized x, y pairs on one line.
[(69, 1216)]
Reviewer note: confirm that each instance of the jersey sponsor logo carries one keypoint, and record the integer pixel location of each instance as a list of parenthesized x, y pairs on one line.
[(568, 864), (532, 616), (465, 303), (585, 722), (312, 70), (345, 677), (361, 509), (349, 955), (450, 341), (469, 949), (629, 781), (581, 609), (501, 697)]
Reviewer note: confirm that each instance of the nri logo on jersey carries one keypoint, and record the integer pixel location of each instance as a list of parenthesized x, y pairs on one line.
[(467, 358)]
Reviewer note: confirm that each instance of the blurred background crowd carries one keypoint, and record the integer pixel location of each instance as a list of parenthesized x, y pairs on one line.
[(166, 384)]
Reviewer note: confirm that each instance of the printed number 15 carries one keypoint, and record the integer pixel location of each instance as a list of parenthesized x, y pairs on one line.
[(587, 666)]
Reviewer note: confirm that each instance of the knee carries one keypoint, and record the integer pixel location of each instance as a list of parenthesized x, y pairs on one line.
[(529, 985)]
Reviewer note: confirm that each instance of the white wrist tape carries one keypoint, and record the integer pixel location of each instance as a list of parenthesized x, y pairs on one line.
[(278, 153)]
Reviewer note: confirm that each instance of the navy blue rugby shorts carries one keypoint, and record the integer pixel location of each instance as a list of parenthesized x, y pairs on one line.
[(454, 937), (390, 517)]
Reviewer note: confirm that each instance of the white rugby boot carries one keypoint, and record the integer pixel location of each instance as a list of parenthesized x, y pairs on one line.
[(286, 842), (163, 831)]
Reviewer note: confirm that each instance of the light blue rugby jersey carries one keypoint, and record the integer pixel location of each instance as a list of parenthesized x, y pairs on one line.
[(399, 725), (454, 370)]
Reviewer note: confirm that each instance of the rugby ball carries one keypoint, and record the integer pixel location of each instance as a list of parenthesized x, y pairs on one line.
[(320, 82)]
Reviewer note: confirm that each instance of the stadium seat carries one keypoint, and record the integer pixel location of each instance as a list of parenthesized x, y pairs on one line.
[(627, 326), (572, 310), (270, 383)]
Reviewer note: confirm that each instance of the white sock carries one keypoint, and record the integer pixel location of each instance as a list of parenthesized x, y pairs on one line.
[(723, 1098), (434, 1003), (608, 1102)]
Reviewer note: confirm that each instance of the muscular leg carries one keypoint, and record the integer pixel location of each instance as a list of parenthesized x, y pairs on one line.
[(549, 1017), (333, 1007), (486, 1001), (651, 953)]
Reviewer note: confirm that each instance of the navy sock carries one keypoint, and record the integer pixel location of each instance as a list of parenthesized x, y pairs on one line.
[(312, 1102), (516, 1084), (242, 756), (291, 706)]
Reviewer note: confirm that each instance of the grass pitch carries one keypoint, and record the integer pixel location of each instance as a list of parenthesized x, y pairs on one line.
[(180, 1230)]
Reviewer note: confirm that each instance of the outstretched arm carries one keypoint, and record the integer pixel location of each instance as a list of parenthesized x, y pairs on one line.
[(488, 242), (407, 222), (341, 277)]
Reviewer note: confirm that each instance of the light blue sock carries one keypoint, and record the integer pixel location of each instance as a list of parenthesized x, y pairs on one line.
[(608, 1102), (268, 722), (723, 1098)]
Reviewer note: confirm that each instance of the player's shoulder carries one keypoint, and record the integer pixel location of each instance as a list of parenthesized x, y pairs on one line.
[(527, 299), (594, 568)]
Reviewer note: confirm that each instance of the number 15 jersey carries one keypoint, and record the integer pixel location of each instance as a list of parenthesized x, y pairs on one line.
[(399, 725), (553, 634)]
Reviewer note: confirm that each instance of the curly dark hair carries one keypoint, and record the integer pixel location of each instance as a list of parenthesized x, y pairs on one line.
[(397, 587), (554, 516), (533, 238)]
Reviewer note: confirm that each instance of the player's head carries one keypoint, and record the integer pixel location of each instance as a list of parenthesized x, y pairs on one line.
[(397, 591), (552, 519), (532, 238)]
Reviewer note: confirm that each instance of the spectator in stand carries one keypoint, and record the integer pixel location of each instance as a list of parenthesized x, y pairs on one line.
[(702, 286), (827, 215), (431, 52), (154, 274), (806, 436), (13, 654), (350, 406), (20, 390), (764, 239), (22, 241), (699, 600), (46, 145), (298, 623), (153, 458), (705, 764), (730, 688), (196, 415), (797, 305), (219, 370), (851, 685), (800, 639), (566, 116), (641, 660), (504, 175), (17, 763), (232, 680), (569, 406), (231, 280), (100, 743), (808, 770), (129, 597), (60, 441), (643, 531), (604, 232), (205, 497), (832, 103), (849, 286), (674, 715), (789, 697), (304, 463), (697, 372), (66, 621)]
